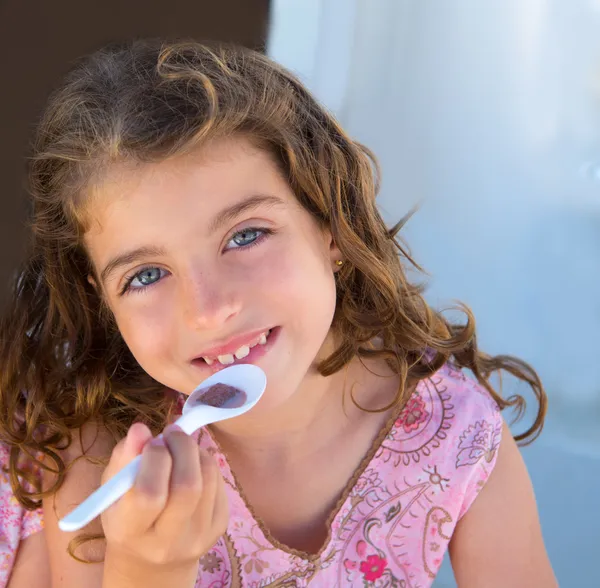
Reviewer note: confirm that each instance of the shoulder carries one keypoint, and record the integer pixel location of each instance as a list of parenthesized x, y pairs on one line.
[(452, 410), (436, 457), (502, 525), (450, 425), (486, 488), (476, 430), (471, 402), (474, 436)]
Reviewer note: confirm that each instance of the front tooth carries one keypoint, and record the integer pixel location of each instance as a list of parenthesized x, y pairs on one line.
[(226, 359), (263, 339), (208, 360), (242, 352)]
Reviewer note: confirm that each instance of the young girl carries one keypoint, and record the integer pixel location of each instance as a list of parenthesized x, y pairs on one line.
[(195, 208)]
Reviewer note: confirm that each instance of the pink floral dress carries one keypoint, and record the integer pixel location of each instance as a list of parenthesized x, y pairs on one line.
[(16, 523), (391, 526)]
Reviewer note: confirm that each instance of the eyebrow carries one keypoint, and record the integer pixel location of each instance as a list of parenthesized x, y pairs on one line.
[(223, 217), (232, 212), (128, 258)]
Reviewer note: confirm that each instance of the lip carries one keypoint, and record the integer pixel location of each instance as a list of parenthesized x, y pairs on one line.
[(231, 345), (255, 354)]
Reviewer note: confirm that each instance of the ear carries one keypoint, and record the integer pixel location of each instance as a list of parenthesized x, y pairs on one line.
[(92, 281), (335, 255)]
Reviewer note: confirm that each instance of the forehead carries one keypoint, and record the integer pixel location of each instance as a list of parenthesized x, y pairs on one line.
[(219, 169)]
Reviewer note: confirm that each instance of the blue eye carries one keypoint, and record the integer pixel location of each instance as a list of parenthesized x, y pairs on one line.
[(245, 237), (144, 278)]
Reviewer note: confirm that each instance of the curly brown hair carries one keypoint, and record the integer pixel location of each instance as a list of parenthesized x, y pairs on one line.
[(63, 361)]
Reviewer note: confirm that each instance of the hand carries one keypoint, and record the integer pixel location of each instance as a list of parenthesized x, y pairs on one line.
[(175, 512)]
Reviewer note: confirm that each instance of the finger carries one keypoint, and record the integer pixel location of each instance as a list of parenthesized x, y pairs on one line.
[(213, 500), (137, 437), (143, 505), (128, 448), (186, 483)]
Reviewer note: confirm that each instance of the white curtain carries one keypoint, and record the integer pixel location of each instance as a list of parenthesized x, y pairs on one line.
[(488, 113)]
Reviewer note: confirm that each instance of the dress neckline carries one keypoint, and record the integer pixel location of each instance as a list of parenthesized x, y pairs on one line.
[(369, 460)]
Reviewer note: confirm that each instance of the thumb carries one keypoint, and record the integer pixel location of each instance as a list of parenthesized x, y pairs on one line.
[(127, 449)]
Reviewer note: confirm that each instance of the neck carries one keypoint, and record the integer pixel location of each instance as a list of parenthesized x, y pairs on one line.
[(312, 418)]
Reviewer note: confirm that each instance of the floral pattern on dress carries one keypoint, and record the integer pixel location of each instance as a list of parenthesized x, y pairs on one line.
[(16, 523), (478, 441), (395, 521), (394, 525)]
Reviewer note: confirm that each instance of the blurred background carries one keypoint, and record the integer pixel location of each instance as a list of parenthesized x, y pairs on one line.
[(486, 113)]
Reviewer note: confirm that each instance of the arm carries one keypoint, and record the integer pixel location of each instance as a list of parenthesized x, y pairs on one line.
[(82, 478), (498, 542), (176, 510), (31, 566)]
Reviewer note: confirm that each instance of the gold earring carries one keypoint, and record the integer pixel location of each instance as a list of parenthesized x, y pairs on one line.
[(339, 263)]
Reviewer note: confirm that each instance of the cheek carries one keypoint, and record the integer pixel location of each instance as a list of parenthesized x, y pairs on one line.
[(297, 278), (146, 331)]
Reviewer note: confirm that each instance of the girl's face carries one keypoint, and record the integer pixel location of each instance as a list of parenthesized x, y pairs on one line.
[(203, 257)]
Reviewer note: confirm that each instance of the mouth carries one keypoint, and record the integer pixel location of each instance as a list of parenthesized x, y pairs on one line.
[(248, 352)]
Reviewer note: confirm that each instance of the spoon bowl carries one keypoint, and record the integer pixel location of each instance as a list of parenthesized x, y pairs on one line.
[(249, 383), (248, 378)]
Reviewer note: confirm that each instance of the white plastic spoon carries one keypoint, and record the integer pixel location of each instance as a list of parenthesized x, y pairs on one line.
[(247, 378)]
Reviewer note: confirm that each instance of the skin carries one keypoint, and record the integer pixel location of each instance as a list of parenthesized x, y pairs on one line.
[(294, 453)]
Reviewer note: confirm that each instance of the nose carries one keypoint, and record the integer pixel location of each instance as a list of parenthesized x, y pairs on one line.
[(208, 303)]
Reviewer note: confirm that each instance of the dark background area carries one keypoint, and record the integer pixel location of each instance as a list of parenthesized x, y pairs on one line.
[(38, 42)]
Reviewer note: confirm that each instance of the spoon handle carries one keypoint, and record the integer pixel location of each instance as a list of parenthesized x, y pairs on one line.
[(97, 502), (105, 496)]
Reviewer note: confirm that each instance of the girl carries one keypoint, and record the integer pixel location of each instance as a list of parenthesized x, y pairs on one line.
[(195, 208)]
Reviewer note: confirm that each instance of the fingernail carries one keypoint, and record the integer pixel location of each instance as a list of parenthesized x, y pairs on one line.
[(137, 425), (172, 429), (158, 441)]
